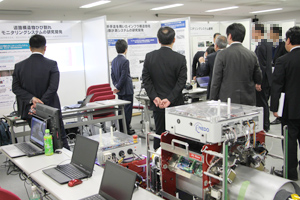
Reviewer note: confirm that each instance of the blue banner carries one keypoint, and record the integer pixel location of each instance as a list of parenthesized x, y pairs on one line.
[(137, 41), (112, 42), (174, 25), (14, 46)]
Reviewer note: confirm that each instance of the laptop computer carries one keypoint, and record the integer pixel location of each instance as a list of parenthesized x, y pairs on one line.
[(203, 81), (80, 105), (82, 162), (117, 183), (36, 144)]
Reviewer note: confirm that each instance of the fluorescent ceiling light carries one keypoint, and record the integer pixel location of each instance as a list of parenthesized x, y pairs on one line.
[(166, 7), (1, 0), (94, 4), (261, 11), (220, 9)]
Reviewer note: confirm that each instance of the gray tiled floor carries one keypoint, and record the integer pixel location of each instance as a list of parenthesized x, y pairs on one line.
[(13, 183)]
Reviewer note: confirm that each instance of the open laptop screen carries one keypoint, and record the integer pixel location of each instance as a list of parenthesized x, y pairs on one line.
[(84, 154), (117, 182), (203, 81), (38, 127)]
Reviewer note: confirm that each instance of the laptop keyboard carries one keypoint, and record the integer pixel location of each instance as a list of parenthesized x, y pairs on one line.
[(70, 171), (28, 149), (94, 197)]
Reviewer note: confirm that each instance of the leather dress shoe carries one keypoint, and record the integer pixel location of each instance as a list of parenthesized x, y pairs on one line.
[(276, 121), (131, 132)]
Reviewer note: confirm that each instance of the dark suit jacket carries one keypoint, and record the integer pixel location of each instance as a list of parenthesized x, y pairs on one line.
[(164, 76), (196, 62), (35, 76), (209, 62), (286, 79), (280, 51), (236, 71), (120, 75), (264, 55)]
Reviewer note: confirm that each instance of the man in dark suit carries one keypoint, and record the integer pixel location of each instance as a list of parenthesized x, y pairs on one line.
[(120, 75), (278, 50), (220, 44), (264, 54), (36, 80), (286, 79), (164, 77), (196, 63), (236, 72)]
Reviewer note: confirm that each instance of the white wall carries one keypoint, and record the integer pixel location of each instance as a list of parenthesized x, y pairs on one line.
[(95, 51)]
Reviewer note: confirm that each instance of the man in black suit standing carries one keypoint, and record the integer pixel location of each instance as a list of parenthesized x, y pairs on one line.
[(164, 77), (264, 54), (120, 75), (236, 72), (36, 80), (278, 50), (286, 79)]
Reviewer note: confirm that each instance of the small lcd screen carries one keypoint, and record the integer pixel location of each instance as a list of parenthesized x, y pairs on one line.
[(38, 128)]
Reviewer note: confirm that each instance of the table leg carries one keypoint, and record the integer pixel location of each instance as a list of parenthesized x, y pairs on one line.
[(123, 119)]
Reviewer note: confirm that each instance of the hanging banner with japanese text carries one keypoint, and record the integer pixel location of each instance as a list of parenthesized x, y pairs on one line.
[(125, 30), (21, 31)]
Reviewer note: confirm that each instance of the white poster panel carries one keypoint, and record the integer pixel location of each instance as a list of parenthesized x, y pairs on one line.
[(131, 30), (202, 35), (137, 50), (21, 31), (182, 39), (95, 51), (65, 48), (10, 53)]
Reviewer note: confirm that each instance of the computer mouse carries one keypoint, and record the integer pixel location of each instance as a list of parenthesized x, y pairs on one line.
[(74, 182)]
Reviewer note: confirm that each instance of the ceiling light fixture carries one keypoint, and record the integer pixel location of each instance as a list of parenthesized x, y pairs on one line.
[(166, 7), (94, 4), (270, 10), (221, 9)]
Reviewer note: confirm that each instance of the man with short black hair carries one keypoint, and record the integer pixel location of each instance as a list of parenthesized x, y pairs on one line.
[(236, 72), (286, 80), (120, 75), (164, 77), (214, 39), (36, 80)]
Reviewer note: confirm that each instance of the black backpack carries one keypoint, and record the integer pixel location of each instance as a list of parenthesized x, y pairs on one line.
[(5, 135)]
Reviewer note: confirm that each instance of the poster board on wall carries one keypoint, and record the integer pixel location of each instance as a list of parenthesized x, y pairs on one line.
[(64, 44), (182, 39), (141, 39)]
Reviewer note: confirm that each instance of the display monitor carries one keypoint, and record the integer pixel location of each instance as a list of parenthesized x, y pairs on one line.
[(52, 115)]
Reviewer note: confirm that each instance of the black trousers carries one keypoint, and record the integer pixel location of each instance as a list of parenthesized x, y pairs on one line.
[(293, 137), (127, 110), (262, 98), (160, 126)]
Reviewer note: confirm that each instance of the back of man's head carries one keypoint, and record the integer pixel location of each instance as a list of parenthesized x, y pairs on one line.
[(166, 35), (216, 35), (294, 35), (121, 46), (237, 32), (37, 41), (221, 42)]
